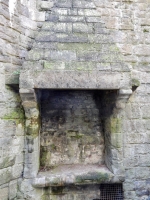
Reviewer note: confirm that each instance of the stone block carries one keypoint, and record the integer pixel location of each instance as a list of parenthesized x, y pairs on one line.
[(7, 161), (72, 19), (145, 111), (142, 50), (93, 19), (82, 28), (13, 188), (60, 55), (35, 55), (83, 4), (62, 38), (17, 171), (46, 5), (64, 4), (57, 27), (4, 195), (26, 22), (6, 175), (142, 172), (88, 12)]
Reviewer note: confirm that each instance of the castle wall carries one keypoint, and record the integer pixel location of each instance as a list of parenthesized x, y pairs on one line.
[(129, 24), (17, 27)]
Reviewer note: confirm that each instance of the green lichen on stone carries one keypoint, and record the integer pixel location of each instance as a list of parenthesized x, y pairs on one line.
[(53, 147), (43, 158), (145, 31), (12, 79), (43, 197), (16, 114), (114, 48), (95, 177), (80, 47), (135, 82), (7, 162), (112, 57), (33, 129), (78, 136), (49, 65), (75, 134), (115, 125)]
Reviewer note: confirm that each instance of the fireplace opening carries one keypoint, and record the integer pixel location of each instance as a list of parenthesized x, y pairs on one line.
[(75, 137), (72, 129)]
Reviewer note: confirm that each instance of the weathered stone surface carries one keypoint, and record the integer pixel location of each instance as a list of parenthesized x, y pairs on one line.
[(74, 79), (73, 120), (76, 175), (13, 188), (94, 36), (4, 194)]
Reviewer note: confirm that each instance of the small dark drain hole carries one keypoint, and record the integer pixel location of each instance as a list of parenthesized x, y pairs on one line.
[(111, 192)]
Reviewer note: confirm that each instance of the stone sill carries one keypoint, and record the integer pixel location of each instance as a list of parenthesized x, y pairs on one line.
[(73, 174)]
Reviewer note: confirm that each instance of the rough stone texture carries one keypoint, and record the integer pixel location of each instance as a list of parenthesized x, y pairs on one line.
[(104, 24), (18, 23), (71, 128)]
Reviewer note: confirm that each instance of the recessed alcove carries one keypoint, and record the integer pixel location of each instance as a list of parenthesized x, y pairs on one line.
[(74, 130), (75, 136)]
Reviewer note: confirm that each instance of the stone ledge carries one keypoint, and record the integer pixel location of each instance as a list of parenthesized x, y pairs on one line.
[(12, 79), (69, 79), (74, 175)]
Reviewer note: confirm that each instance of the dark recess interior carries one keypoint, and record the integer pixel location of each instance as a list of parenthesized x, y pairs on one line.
[(73, 126)]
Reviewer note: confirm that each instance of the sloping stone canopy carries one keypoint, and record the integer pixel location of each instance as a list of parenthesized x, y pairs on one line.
[(73, 50)]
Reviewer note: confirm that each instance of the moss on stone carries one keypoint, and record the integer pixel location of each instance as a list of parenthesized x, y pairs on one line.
[(146, 31), (115, 125), (7, 162), (114, 48), (32, 129), (49, 65), (135, 82), (53, 147), (43, 158), (96, 177), (16, 114), (80, 47)]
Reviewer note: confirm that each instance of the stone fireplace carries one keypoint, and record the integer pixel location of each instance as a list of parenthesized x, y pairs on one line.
[(74, 87), (73, 134)]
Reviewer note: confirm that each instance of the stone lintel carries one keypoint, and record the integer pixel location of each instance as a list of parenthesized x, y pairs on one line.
[(53, 79)]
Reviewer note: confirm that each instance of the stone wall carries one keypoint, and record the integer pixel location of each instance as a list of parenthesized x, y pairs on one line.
[(17, 27), (129, 25)]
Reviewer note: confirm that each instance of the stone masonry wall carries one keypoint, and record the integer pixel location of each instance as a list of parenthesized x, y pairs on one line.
[(17, 27), (128, 21)]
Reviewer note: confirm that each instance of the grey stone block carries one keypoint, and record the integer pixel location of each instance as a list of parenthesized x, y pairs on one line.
[(82, 28), (60, 55), (13, 188), (4, 195), (72, 19)]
